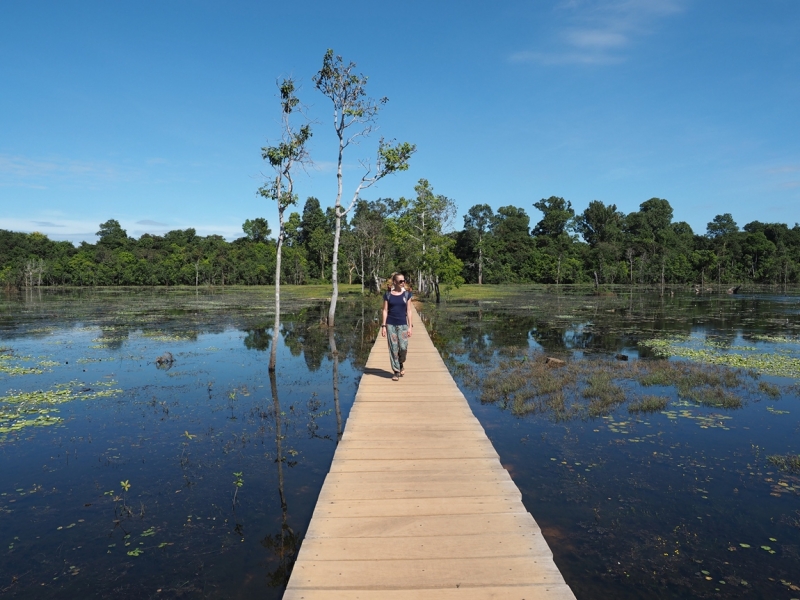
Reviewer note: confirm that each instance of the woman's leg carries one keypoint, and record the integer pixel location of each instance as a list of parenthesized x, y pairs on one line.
[(393, 337), (402, 352)]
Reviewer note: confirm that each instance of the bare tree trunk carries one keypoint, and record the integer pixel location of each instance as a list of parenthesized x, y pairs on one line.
[(480, 262), (629, 254), (335, 359), (276, 407), (276, 328), (558, 271), (336, 236), (362, 270)]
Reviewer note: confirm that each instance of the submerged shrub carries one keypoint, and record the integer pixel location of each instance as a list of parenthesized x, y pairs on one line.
[(604, 394), (648, 404), (773, 391), (714, 396), (787, 462)]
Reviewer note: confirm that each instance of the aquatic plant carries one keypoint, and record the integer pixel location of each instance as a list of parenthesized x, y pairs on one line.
[(648, 404), (19, 410), (773, 391), (582, 388), (786, 462), (604, 394), (715, 396), (778, 363), (10, 364), (238, 483)]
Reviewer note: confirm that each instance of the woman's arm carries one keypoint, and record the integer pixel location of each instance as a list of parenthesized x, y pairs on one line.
[(408, 317), (385, 314)]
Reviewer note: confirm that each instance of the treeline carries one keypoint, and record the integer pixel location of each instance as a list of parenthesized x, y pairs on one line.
[(601, 245)]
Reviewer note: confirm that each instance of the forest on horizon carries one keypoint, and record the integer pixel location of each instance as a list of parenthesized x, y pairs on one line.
[(420, 237)]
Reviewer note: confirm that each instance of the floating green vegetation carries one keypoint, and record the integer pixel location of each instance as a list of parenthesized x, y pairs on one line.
[(648, 404), (594, 388), (10, 364), (89, 359), (20, 410), (786, 462), (776, 339), (779, 362), (704, 421), (715, 396), (773, 391), (603, 394), (161, 336)]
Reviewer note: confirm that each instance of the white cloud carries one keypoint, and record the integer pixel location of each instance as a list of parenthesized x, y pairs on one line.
[(46, 224), (77, 231), (596, 39), (598, 32), (40, 173)]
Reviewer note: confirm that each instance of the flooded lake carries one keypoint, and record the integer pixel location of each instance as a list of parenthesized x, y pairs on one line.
[(658, 459), (693, 498), (119, 477)]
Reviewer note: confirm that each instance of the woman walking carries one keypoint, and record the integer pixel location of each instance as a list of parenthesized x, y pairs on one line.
[(397, 324)]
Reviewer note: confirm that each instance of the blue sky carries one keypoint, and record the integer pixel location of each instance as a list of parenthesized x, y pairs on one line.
[(154, 112)]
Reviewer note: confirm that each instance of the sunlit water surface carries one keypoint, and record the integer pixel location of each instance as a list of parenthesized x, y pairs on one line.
[(675, 504), (680, 503), (184, 439)]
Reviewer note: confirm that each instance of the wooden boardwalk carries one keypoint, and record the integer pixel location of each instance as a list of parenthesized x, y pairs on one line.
[(417, 504)]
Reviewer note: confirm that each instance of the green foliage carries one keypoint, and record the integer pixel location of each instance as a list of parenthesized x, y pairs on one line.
[(256, 230), (413, 234), (417, 229)]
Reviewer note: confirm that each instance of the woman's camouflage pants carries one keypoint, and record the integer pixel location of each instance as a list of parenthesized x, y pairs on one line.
[(398, 345)]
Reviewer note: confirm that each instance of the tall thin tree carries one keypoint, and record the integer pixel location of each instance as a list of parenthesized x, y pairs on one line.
[(354, 115), (284, 158)]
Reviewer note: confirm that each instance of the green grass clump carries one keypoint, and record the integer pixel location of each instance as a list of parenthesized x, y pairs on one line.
[(603, 393), (787, 462), (648, 404), (709, 352), (19, 410), (714, 396), (596, 388), (773, 391)]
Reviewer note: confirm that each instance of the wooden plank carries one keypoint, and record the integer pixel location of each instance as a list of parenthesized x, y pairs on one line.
[(430, 476), (456, 435), (414, 452), (422, 547), (399, 507), (431, 489), (427, 525), (545, 591), (454, 465), (388, 574), (416, 504), (431, 443)]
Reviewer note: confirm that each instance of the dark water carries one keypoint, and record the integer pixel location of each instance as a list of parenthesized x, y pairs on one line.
[(633, 505), (675, 504), (180, 438)]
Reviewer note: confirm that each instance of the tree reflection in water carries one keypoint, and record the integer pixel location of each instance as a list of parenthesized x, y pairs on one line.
[(285, 544)]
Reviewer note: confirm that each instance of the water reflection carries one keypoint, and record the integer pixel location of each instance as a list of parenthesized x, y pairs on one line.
[(181, 438), (676, 503), (564, 322), (285, 544)]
